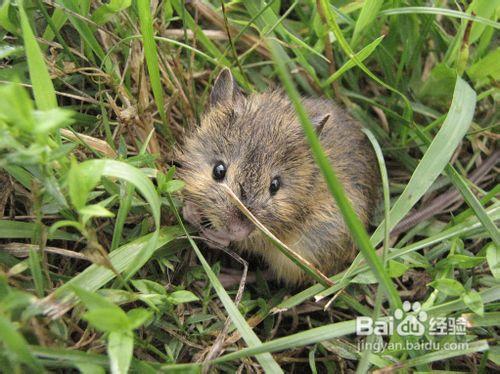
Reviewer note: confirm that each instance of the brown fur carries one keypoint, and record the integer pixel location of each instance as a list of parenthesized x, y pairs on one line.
[(259, 137)]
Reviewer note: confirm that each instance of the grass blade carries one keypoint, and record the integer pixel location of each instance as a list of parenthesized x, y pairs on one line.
[(120, 350), (125, 204), (300, 339), (362, 55), (43, 89), (24, 230), (437, 156), (368, 14), (151, 55)]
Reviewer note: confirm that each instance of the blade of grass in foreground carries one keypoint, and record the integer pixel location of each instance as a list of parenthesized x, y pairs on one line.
[(364, 362), (354, 224), (300, 339), (436, 157), (151, 55), (43, 89), (253, 341)]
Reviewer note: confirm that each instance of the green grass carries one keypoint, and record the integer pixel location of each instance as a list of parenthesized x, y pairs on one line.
[(424, 82)]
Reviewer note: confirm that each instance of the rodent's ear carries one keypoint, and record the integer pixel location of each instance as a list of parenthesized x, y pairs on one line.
[(225, 88), (319, 122)]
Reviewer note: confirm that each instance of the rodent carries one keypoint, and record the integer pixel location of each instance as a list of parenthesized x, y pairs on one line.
[(256, 145)]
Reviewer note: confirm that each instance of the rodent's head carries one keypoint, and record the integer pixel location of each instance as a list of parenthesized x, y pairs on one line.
[(256, 146)]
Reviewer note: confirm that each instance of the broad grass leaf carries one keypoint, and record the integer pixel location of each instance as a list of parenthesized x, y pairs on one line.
[(449, 287), (396, 268), (108, 319), (181, 297), (146, 286), (485, 70), (138, 316), (89, 368), (93, 300), (439, 85), (81, 181), (9, 50), (5, 20), (494, 354), (16, 107), (95, 210), (482, 8), (120, 350), (437, 156), (174, 185), (122, 170), (474, 301), (51, 119), (366, 277), (463, 261)]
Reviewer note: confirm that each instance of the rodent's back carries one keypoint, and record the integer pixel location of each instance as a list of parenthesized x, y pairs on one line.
[(351, 155)]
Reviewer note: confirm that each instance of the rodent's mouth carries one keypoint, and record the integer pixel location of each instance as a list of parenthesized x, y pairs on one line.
[(236, 230)]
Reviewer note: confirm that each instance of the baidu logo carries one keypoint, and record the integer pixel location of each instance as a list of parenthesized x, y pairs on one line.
[(410, 324), (410, 321)]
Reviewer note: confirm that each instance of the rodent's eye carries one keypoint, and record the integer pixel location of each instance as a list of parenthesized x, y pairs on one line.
[(275, 185), (219, 171)]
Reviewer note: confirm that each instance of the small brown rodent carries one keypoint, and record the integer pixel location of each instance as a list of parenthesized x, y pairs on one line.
[(256, 145)]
